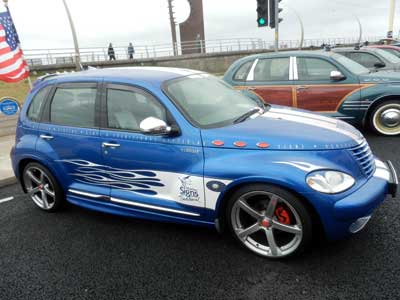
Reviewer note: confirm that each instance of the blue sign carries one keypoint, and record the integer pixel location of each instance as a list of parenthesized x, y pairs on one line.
[(9, 107)]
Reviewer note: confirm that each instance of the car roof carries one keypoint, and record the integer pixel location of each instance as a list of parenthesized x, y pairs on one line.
[(363, 49), (292, 53), (147, 74), (385, 47), (315, 53)]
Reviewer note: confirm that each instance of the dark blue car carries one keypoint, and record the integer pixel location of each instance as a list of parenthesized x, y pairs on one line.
[(183, 146)]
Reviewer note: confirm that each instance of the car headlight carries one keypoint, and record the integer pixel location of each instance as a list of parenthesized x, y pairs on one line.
[(330, 182)]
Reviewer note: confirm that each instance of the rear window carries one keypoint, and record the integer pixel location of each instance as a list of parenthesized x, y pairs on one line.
[(74, 107), (243, 71)]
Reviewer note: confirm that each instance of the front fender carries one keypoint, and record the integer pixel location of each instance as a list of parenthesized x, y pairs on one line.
[(287, 169)]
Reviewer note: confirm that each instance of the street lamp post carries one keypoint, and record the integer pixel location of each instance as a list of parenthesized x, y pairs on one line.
[(359, 29), (391, 18), (75, 38)]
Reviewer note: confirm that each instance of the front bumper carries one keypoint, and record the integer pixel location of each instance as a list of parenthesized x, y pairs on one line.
[(360, 205)]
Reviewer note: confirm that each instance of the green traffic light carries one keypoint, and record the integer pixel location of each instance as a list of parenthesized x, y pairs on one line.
[(261, 21)]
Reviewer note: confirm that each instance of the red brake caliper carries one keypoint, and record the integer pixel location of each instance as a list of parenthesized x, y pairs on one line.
[(283, 215)]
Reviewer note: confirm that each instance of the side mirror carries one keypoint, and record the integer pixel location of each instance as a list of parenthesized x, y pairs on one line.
[(379, 65), (154, 126), (337, 76)]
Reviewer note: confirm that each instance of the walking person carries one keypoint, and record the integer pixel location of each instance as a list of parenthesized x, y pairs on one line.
[(111, 52), (131, 51)]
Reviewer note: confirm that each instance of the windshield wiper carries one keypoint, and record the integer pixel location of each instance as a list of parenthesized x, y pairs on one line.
[(248, 114)]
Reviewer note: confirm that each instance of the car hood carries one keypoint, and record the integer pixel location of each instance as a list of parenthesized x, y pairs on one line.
[(284, 128), (381, 77)]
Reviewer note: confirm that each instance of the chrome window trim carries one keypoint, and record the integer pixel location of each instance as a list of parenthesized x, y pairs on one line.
[(295, 71), (137, 204), (291, 68), (250, 76)]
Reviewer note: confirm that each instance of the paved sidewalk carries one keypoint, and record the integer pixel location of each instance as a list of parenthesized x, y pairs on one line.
[(6, 172)]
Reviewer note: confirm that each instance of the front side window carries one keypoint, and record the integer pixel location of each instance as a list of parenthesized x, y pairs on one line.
[(36, 105), (365, 59), (74, 107), (351, 65), (208, 101), (314, 69), (126, 109), (272, 69)]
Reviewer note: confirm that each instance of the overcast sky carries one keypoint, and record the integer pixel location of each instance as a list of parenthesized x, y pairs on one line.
[(43, 24)]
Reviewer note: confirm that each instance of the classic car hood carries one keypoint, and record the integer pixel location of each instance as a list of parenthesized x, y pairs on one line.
[(381, 77), (284, 128)]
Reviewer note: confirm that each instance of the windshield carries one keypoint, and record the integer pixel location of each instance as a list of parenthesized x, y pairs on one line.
[(351, 65), (208, 101), (388, 56)]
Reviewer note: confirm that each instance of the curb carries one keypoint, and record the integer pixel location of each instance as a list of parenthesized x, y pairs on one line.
[(7, 181)]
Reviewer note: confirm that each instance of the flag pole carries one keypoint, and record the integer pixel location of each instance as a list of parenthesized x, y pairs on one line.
[(29, 77)]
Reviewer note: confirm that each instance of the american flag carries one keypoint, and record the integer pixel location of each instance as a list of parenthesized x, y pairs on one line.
[(13, 67)]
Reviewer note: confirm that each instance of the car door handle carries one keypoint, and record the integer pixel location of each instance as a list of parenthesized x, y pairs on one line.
[(251, 88), (110, 145), (302, 87), (46, 137)]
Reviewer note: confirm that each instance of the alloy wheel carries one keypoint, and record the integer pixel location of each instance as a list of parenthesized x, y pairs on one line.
[(267, 224), (39, 187)]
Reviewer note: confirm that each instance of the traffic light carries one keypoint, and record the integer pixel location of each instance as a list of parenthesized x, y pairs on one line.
[(273, 11), (262, 11)]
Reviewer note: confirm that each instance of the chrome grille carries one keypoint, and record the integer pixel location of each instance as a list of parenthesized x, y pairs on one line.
[(365, 158)]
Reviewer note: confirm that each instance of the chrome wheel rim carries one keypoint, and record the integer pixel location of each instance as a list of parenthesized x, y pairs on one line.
[(39, 188), (387, 119), (256, 225)]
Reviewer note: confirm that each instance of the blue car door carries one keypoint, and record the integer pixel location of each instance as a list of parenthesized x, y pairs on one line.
[(69, 137), (153, 175)]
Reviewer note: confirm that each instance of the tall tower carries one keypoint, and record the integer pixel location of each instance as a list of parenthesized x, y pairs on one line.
[(192, 30)]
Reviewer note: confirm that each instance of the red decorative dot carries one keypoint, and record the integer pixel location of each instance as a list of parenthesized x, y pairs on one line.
[(217, 143), (240, 144), (262, 145)]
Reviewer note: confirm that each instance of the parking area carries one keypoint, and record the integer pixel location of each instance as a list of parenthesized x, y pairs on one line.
[(80, 254)]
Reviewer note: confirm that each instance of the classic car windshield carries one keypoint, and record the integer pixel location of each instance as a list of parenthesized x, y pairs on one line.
[(388, 56), (208, 101), (351, 65)]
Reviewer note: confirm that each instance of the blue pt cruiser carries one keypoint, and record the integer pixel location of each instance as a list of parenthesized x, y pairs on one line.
[(183, 146)]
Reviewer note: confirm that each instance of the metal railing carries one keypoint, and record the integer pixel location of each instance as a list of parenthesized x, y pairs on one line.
[(40, 57)]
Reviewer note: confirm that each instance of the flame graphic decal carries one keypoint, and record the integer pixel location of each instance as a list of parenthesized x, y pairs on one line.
[(137, 181)]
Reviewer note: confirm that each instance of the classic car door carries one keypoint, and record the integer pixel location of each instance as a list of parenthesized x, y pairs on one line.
[(271, 79), (155, 174), (316, 91)]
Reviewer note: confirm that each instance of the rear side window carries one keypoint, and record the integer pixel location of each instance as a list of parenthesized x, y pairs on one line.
[(36, 106), (272, 69), (74, 107), (243, 71), (127, 109)]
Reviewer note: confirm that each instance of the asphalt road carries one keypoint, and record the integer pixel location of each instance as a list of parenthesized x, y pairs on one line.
[(80, 254)]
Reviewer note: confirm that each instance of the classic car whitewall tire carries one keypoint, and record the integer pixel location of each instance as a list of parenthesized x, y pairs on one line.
[(269, 220), (42, 188), (385, 118)]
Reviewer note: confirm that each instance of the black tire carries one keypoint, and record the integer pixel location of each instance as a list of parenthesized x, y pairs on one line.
[(48, 186), (385, 118), (234, 213)]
